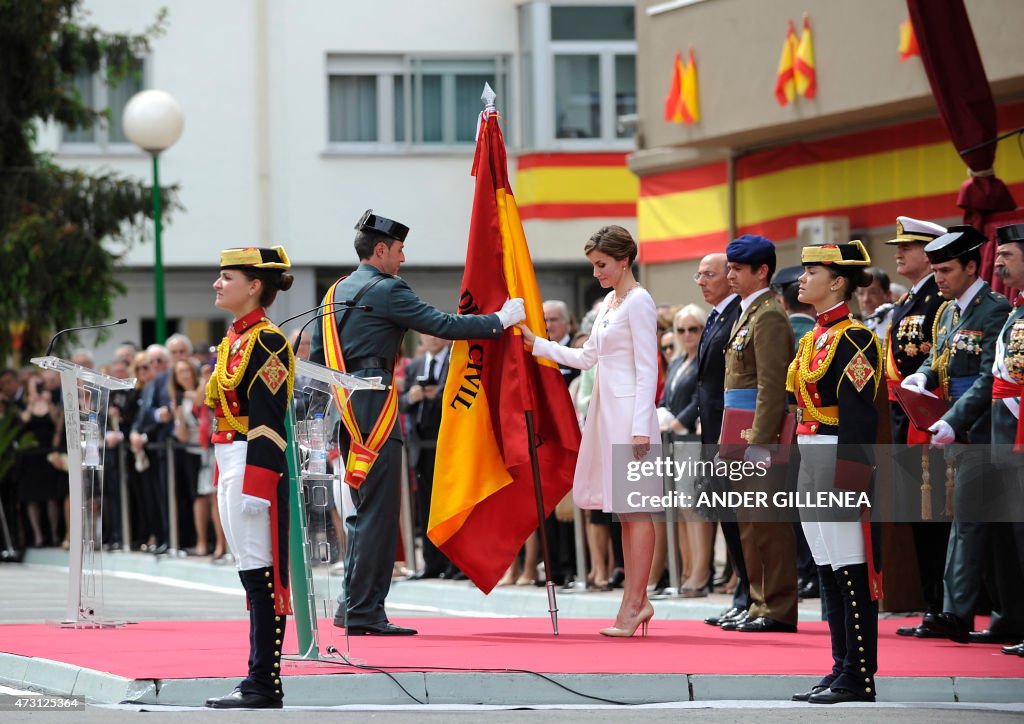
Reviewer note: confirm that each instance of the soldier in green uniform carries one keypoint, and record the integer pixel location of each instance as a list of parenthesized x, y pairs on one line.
[(371, 440), (960, 365)]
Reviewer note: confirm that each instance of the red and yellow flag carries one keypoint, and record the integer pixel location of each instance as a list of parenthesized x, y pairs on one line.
[(690, 100), (908, 41), (803, 64), (785, 85), (483, 506), (673, 101)]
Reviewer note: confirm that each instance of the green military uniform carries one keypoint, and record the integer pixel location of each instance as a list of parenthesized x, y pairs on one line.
[(370, 341)]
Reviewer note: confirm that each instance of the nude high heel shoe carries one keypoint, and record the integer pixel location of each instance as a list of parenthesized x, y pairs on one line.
[(641, 621)]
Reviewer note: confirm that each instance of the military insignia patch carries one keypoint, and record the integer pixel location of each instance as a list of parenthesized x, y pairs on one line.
[(274, 373), (859, 371)]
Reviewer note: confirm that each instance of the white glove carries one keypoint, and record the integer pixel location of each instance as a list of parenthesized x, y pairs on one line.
[(755, 454), (942, 433), (511, 312), (251, 505), (916, 382)]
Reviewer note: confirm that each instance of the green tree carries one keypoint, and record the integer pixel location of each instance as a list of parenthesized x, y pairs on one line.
[(62, 231)]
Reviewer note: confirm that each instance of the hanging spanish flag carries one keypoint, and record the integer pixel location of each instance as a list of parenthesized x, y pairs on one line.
[(908, 41), (690, 100), (803, 64), (483, 506), (673, 101), (785, 85)]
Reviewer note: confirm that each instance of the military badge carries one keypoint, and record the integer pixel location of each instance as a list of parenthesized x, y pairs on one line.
[(859, 371), (273, 373), (910, 349)]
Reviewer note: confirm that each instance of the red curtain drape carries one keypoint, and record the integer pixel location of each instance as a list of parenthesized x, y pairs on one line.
[(964, 99)]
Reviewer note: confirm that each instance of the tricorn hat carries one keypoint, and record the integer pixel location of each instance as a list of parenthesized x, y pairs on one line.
[(957, 241), (1011, 233), (255, 257), (852, 254), (382, 225)]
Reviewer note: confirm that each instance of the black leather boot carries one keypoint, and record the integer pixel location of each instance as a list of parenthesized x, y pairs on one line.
[(261, 689), (856, 682), (832, 602)]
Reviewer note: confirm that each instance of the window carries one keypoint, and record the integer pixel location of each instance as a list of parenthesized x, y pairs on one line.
[(409, 100), (579, 74), (96, 93)]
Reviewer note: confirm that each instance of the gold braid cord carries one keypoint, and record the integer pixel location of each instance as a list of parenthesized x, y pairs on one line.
[(275, 360), (804, 374), (221, 380), (941, 361)]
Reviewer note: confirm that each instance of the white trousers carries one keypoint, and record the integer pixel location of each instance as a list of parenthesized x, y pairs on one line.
[(834, 544), (247, 535)]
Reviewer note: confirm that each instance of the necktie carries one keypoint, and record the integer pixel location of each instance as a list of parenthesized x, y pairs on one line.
[(707, 331)]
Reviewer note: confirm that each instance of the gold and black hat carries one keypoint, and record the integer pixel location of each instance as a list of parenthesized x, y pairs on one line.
[(255, 257), (915, 231), (957, 241), (852, 254), (382, 225)]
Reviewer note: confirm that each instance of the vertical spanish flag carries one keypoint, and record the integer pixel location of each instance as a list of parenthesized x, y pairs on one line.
[(673, 101), (785, 85), (806, 74), (908, 41), (483, 506), (690, 101)]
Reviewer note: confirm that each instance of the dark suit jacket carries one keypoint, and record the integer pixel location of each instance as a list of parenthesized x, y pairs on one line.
[(425, 415), (379, 332), (154, 396), (711, 374), (680, 393)]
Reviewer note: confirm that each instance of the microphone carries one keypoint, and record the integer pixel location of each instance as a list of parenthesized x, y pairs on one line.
[(347, 304), (342, 303), (53, 339), (880, 312)]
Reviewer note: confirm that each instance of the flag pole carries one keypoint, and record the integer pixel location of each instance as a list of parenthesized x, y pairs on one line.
[(541, 530)]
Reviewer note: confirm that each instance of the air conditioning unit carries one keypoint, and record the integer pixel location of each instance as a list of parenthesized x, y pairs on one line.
[(823, 230)]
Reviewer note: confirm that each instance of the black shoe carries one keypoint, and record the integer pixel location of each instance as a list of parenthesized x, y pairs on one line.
[(237, 699), (617, 577), (808, 694), (422, 575), (949, 626), (838, 696), (763, 624), (907, 630), (159, 551), (455, 576), (733, 623), (988, 637), (724, 616), (926, 633), (810, 589), (1017, 650), (379, 629)]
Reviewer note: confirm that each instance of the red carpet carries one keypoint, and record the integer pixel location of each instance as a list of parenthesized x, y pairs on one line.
[(213, 649)]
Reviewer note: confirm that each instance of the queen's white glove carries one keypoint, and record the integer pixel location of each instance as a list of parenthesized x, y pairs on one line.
[(942, 433), (916, 382)]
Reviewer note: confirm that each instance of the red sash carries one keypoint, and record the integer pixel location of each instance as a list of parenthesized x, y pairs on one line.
[(1003, 390)]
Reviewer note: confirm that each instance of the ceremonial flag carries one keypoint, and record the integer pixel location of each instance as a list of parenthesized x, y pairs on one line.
[(673, 101), (908, 41), (806, 75), (690, 101), (785, 87), (483, 506)]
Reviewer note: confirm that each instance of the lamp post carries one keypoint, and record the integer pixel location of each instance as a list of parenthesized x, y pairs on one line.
[(153, 121)]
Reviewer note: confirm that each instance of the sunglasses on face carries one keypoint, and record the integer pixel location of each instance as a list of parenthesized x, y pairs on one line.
[(667, 348), (142, 367), (684, 330)]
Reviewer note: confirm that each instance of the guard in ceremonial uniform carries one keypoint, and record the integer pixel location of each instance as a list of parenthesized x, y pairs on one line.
[(757, 354), (1008, 445), (835, 377), (960, 366), (371, 441), (250, 390), (906, 345)]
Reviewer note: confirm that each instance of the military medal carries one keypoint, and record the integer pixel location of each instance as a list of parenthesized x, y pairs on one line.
[(821, 342), (235, 346)]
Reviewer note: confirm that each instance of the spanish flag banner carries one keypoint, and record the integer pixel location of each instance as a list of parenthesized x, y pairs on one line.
[(785, 85), (908, 41), (483, 506), (803, 64), (673, 101)]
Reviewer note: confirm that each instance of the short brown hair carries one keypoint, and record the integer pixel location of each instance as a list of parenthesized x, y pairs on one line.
[(614, 241)]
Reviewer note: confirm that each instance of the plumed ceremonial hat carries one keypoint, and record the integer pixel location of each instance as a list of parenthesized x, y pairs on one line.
[(255, 257), (382, 225), (911, 231), (957, 241)]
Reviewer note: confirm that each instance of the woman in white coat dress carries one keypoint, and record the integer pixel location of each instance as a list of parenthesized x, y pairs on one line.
[(624, 346)]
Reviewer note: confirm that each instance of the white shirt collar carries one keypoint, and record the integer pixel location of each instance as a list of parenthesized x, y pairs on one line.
[(564, 341), (720, 307), (745, 303), (972, 291), (917, 287)]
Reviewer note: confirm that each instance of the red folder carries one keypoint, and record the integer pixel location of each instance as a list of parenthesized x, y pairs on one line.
[(923, 411), (737, 423)]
